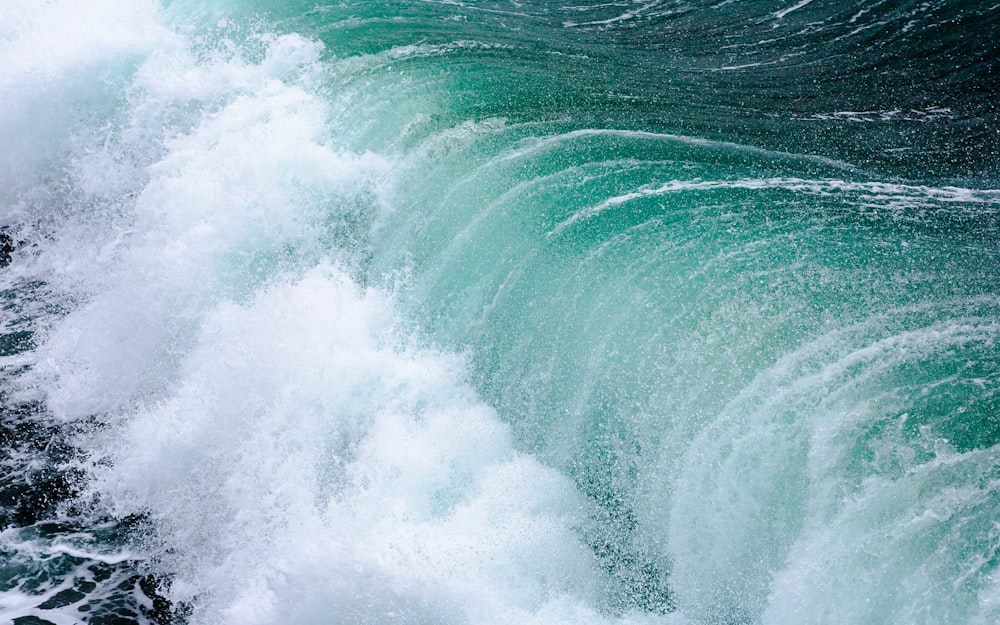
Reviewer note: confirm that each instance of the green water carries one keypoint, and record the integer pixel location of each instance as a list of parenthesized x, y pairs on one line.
[(745, 323), (727, 269), (747, 328)]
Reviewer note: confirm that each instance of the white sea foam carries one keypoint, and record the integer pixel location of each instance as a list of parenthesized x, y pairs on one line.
[(539, 144), (888, 196), (59, 60), (299, 457), (795, 7), (250, 189), (309, 464)]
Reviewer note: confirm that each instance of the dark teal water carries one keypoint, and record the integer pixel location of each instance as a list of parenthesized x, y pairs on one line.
[(490, 312)]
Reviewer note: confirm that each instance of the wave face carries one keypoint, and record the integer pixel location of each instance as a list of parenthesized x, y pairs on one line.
[(651, 311)]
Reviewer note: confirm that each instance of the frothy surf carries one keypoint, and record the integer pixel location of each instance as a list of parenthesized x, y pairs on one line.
[(354, 316)]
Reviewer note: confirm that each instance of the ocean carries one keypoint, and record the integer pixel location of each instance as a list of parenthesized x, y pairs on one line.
[(500, 312)]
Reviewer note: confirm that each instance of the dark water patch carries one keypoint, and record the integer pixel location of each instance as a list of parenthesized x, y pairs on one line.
[(33, 457), (64, 567), (638, 581), (902, 85), (31, 620), (6, 248), (52, 550), (16, 342)]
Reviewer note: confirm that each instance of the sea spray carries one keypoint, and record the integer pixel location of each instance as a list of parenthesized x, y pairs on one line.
[(286, 447), (311, 464), (499, 312)]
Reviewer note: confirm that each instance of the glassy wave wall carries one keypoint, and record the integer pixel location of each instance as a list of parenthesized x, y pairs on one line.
[(494, 312)]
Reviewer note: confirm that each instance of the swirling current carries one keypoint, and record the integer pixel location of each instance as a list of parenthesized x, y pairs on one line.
[(500, 311)]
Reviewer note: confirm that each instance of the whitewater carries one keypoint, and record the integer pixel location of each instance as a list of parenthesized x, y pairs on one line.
[(499, 312)]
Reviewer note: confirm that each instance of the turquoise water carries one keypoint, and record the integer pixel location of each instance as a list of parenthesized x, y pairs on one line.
[(500, 312)]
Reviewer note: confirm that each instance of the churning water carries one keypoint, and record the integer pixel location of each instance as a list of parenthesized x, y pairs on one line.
[(489, 312)]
